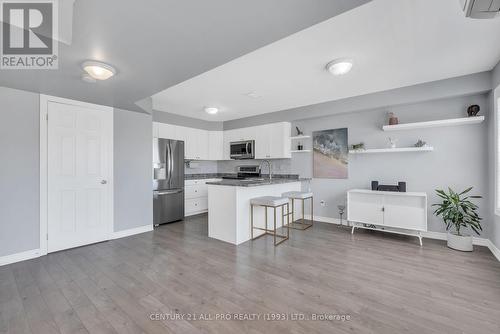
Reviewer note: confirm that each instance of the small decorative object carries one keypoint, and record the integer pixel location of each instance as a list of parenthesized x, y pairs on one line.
[(300, 147), (392, 142), (331, 154), (393, 120), (473, 110), (458, 211), (420, 143), (341, 212), (359, 147), (299, 133)]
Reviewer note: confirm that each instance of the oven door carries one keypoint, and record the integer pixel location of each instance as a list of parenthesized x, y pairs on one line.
[(242, 149)]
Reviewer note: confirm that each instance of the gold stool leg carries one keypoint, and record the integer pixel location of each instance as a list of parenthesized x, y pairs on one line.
[(303, 212), (288, 220), (274, 235), (312, 211), (251, 220)]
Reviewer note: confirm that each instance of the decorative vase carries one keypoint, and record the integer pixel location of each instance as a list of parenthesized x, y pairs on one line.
[(459, 242), (473, 110), (393, 120)]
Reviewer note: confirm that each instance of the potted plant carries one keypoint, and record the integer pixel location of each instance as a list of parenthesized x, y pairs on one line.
[(458, 211)]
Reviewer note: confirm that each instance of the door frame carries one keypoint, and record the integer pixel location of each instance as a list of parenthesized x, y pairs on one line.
[(44, 186)]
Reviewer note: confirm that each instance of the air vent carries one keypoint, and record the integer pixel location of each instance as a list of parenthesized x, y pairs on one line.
[(481, 9)]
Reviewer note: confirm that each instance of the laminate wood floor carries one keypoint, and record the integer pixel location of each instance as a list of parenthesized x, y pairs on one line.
[(379, 283)]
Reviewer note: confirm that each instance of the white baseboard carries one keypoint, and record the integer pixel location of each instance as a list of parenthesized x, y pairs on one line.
[(18, 257), (494, 249), (429, 234), (132, 231), (442, 236), (329, 220)]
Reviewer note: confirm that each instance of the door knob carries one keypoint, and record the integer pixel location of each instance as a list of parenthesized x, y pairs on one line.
[(104, 182)]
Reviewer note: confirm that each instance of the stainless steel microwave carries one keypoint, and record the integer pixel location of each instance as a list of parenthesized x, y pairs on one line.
[(242, 149)]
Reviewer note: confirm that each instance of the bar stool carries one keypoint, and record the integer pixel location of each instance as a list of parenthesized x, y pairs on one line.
[(271, 202), (303, 196)]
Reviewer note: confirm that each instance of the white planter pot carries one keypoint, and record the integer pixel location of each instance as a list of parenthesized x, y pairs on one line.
[(460, 242)]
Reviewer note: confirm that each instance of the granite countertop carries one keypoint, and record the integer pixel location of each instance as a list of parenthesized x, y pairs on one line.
[(256, 182), (201, 176)]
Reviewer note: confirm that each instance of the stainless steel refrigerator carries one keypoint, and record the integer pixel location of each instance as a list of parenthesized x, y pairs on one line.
[(168, 180)]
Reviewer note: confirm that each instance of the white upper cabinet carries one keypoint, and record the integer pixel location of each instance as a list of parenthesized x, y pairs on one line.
[(167, 131), (272, 141), (195, 143), (215, 145)]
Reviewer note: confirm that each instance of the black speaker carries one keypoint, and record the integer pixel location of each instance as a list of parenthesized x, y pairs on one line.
[(402, 187), (374, 185)]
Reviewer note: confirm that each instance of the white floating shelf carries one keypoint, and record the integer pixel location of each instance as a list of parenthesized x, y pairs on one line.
[(393, 150), (300, 151), (435, 124), (299, 137)]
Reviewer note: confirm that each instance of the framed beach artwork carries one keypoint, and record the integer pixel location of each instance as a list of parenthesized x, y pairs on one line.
[(330, 154)]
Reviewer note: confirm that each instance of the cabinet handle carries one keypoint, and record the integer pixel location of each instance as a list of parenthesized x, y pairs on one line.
[(383, 209)]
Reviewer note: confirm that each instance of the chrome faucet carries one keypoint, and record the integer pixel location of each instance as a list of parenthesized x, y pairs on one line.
[(270, 166)]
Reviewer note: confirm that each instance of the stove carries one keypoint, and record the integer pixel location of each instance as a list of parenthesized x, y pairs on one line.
[(245, 172)]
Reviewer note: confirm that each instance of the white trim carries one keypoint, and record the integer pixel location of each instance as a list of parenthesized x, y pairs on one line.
[(132, 231), (434, 124), (18, 257), (44, 100), (329, 220), (392, 150), (494, 249), (496, 139)]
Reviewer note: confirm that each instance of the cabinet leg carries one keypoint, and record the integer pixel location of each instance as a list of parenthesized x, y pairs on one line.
[(420, 238), (353, 227)]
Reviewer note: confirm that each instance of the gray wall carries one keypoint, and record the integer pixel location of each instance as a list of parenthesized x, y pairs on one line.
[(459, 160), (460, 86), (168, 118), (19, 171), (133, 203), (495, 76), (492, 149)]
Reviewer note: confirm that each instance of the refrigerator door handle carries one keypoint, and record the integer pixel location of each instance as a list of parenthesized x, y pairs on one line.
[(169, 162), (168, 192)]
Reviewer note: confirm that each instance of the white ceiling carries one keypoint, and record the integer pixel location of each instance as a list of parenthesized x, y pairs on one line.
[(393, 43)]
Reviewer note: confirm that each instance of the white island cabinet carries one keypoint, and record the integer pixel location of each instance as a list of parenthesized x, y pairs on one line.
[(229, 208), (396, 212)]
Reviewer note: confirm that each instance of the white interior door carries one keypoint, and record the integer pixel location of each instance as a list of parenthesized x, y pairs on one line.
[(80, 152)]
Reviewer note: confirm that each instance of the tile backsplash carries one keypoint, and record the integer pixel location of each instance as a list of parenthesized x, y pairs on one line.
[(279, 166)]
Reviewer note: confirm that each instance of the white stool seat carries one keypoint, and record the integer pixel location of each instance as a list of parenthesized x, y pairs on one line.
[(272, 201), (297, 194)]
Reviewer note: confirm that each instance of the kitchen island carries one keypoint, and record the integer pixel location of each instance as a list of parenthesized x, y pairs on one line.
[(229, 206)]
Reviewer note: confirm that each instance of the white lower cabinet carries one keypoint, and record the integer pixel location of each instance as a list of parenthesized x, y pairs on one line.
[(196, 196)]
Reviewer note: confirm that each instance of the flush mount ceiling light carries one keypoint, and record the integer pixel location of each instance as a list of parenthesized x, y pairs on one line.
[(340, 66), (211, 110), (98, 70)]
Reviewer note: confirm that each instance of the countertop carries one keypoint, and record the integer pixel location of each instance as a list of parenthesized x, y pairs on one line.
[(255, 183)]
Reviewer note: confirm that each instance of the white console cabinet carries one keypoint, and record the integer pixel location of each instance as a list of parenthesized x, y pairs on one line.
[(399, 211)]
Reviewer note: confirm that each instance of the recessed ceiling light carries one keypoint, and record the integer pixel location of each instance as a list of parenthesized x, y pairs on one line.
[(211, 110), (98, 70), (340, 66), (253, 95)]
